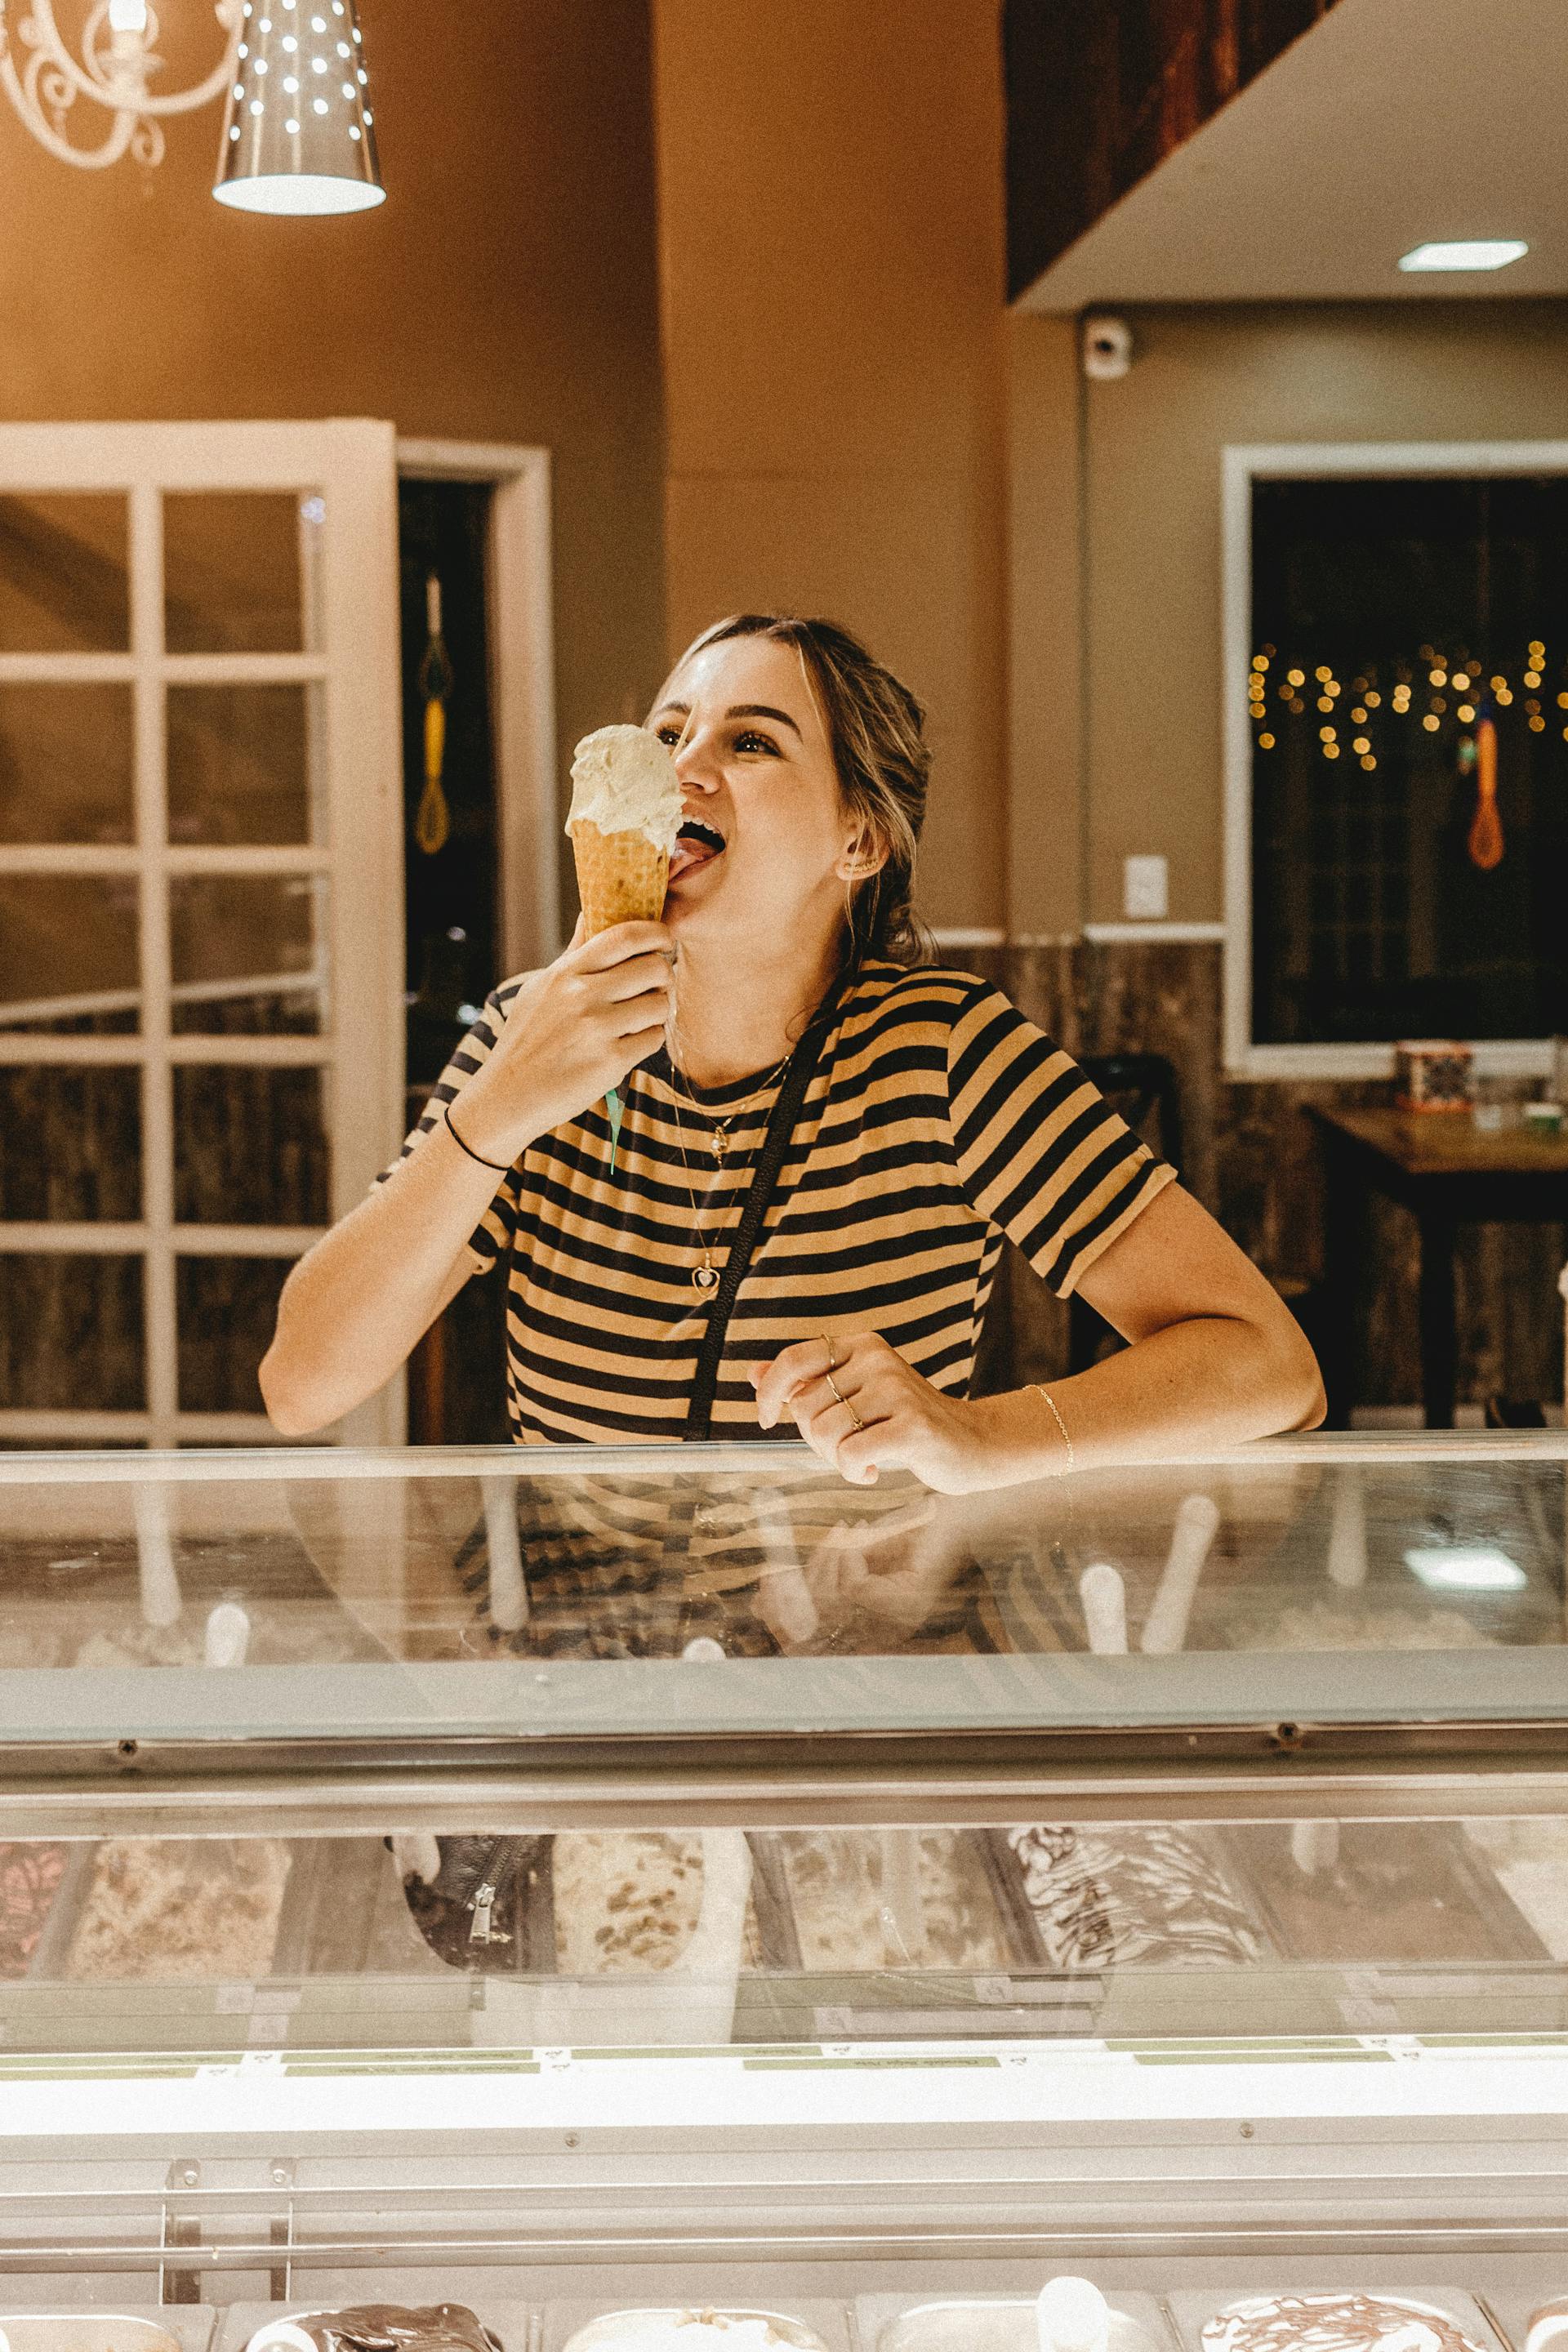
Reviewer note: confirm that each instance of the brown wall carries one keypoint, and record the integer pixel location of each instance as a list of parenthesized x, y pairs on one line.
[(830, 198), (1201, 378), (505, 291)]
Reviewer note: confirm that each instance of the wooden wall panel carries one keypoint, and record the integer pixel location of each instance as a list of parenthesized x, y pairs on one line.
[(1101, 91)]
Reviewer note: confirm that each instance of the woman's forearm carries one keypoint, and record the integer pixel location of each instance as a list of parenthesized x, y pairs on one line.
[(363, 1297), (1215, 1381)]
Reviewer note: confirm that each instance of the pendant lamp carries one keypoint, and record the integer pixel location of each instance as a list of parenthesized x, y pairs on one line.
[(300, 135)]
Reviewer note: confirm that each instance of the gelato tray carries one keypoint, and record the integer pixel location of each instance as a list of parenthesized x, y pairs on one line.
[(187, 2328), (502, 2327), (31, 1870), (694, 2327), (1112, 1897), (1350, 2320), (892, 2323), (1366, 1892)]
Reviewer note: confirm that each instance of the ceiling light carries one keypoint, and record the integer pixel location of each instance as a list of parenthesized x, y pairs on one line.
[(1464, 1568), (291, 159), (1467, 253)]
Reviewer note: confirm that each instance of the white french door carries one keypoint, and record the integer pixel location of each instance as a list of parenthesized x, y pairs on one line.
[(200, 949)]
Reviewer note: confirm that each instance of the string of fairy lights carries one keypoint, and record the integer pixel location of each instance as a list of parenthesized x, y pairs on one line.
[(1442, 694)]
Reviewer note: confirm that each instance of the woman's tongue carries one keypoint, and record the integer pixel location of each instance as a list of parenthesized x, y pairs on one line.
[(691, 851)]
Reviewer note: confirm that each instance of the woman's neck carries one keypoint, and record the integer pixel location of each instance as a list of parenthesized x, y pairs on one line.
[(734, 1016)]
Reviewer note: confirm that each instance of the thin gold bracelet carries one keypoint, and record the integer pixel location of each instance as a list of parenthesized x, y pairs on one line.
[(1056, 1416)]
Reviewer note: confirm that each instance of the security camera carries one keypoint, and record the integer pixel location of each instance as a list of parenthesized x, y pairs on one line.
[(1106, 348)]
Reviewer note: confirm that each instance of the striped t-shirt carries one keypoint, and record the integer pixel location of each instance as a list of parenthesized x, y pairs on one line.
[(938, 1121)]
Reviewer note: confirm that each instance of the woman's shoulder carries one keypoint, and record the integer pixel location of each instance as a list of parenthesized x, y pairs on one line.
[(936, 997)]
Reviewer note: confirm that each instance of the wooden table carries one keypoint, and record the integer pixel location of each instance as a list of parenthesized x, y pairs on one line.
[(1448, 1174)]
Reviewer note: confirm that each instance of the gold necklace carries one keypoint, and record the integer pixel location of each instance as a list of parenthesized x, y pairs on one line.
[(705, 1277), (718, 1140)]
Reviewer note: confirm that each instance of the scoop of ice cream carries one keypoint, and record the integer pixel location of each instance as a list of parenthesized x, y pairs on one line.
[(692, 2331), (624, 780)]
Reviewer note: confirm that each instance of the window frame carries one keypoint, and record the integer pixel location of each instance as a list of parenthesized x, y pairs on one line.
[(1241, 466)]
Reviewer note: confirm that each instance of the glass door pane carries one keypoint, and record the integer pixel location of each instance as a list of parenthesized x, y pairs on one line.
[(239, 570), (66, 763), (64, 573), (68, 953)]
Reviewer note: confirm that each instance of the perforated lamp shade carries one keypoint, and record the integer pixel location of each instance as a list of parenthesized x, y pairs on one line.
[(300, 135)]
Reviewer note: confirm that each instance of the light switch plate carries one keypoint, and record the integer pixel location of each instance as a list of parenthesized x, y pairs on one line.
[(1145, 888)]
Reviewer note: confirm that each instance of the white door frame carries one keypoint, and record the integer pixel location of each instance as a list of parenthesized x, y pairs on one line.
[(1241, 467), (350, 463), (523, 681)]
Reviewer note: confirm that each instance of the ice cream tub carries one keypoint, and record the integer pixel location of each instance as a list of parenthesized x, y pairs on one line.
[(1529, 2320), (995, 2323), (694, 2327), (1349, 2319), (188, 2329), (375, 2328)]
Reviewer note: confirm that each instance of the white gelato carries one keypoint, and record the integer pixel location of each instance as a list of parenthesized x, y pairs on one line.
[(624, 780), (695, 2331)]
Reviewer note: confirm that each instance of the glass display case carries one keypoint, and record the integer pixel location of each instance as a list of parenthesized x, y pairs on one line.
[(628, 1897)]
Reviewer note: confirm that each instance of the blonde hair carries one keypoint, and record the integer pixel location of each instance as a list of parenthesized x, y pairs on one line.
[(876, 730)]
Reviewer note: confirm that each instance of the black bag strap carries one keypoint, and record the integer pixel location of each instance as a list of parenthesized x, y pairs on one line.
[(781, 1127)]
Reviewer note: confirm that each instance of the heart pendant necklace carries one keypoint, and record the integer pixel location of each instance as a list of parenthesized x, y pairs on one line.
[(705, 1275)]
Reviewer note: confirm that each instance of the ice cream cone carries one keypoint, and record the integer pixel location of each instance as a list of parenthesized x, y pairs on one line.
[(622, 877)]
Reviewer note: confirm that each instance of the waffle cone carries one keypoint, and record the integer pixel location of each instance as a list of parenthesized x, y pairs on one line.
[(622, 877)]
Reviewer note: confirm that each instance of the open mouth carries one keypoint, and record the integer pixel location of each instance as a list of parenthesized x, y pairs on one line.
[(696, 844)]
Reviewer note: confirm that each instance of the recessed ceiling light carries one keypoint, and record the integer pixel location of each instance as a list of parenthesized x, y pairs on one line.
[(1464, 1568), (1468, 253)]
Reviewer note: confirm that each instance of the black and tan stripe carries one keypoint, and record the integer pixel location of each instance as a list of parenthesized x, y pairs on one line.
[(939, 1121)]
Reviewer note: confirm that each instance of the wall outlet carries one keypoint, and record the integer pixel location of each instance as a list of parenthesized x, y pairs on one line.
[(1145, 888)]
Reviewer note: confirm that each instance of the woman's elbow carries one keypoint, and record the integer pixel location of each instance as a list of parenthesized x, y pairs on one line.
[(290, 1408), (1297, 1382)]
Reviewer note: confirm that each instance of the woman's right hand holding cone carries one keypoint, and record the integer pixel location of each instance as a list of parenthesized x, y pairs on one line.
[(572, 1032)]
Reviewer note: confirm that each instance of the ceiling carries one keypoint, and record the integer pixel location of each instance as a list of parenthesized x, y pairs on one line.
[(1391, 123)]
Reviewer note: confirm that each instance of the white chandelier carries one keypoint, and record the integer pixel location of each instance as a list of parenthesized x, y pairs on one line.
[(44, 81), (318, 156)]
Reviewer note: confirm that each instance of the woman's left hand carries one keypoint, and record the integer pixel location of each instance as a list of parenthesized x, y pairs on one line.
[(857, 1403)]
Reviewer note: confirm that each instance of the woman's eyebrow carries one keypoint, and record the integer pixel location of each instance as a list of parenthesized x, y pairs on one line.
[(762, 711)]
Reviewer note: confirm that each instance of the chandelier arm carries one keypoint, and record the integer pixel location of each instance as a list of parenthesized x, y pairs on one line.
[(86, 159), (214, 86), (51, 50)]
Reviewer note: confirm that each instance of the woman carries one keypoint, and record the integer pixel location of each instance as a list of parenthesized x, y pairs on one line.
[(934, 1120)]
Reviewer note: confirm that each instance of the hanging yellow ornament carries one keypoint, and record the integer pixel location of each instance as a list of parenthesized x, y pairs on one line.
[(432, 823), (1486, 841)]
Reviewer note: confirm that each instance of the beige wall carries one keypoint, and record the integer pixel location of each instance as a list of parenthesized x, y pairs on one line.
[(507, 290), (1203, 378), (830, 195)]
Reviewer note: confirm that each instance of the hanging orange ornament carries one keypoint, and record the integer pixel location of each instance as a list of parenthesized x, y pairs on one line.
[(432, 823), (1486, 841)]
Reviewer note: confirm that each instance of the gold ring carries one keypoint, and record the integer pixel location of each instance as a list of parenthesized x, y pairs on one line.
[(844, 1400), (832, 1359)]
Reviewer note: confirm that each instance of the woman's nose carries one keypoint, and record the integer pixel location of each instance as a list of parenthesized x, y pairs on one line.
[(695, 766)]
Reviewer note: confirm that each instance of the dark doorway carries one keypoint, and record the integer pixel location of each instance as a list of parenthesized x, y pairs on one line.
[(451, 902)]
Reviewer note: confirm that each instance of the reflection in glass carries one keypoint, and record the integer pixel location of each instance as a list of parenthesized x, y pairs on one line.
[(240, 764), (64, 573), (226, 1309), (239, 570), (250, 1147), (71, 1334), (245, 952), (66, 763), (71, 1145), (68, 952)]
